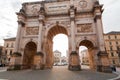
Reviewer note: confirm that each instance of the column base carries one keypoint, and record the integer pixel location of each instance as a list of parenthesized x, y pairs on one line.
[(106, 69), (74, 68), (14, 67), (40, 67)]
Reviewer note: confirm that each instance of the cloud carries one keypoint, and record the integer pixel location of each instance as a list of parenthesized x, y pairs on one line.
[(8, 18), (111, 16)]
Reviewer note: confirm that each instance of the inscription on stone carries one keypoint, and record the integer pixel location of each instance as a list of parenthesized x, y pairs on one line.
[(84, 28), (57, 8), (32, 30)]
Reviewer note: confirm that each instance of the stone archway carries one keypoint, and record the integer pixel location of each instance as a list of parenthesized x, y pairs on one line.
[(91, 52), (47, 20), (48, 43), (29, 53)]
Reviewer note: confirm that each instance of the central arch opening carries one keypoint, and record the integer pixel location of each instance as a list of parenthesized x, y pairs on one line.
[(60, 50), (56, 47)]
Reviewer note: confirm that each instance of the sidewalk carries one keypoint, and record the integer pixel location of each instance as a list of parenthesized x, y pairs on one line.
[(2, 69)]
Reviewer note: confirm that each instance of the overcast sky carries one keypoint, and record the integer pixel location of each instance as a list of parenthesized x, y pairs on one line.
[(8, 18)]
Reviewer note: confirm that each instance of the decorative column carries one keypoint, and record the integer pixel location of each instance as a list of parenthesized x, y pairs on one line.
[(16, 60), (21, 23), (40, 35), (41, 22), (72, 18), (104, 64), (40, 57), (18, 36), (74, 61)]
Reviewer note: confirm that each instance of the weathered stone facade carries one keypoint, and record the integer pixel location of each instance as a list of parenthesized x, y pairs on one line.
[(112, 46), (80, 20)]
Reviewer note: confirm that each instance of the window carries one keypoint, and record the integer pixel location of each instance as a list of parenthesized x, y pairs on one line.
[(117, 47), (115, 37), (12, 45), (105, 48), (5, 52), (111, 48), (7, 45), (8, 59), (109, 37), (110, 43), (113, 61), (10, 52), (116, 42), (112, 54)]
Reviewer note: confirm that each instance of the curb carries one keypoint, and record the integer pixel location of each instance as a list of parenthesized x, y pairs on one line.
[(116, 77)]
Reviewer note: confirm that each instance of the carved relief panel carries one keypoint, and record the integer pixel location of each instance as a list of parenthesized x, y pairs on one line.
[(32, 30), (32, 9), (84, 28)]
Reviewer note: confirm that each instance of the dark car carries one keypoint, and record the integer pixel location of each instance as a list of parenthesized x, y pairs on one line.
[(2, 65)]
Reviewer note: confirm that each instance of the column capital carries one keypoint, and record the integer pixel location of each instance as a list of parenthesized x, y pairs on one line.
[(21, 23), (72, 12), (97, 17), (41, 19)]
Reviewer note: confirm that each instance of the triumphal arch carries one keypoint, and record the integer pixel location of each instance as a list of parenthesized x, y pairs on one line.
[(39, 22)]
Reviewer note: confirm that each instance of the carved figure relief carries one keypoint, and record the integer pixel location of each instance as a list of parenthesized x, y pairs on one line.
[(83, 28), (32, 30), (34, 10), (83, 4)]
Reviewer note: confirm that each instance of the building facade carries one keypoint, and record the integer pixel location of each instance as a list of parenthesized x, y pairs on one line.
[(9, 45), (64, 60), (2, 56), (57, 57), (112, 46), (84, 55), (39, 22)]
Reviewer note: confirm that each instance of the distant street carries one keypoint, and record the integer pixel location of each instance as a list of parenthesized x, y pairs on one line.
[(57, 73)]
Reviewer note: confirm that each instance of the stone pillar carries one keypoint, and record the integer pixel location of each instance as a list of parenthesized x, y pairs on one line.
[(74, 61), (39, 46), (44, 48), (72, 24), (41, 22), (100, 33), (40, 37), (73, 34), (17, 42), (104, 64), (17, 59)]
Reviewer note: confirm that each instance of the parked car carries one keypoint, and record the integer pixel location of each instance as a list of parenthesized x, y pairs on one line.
[(2, 65)]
